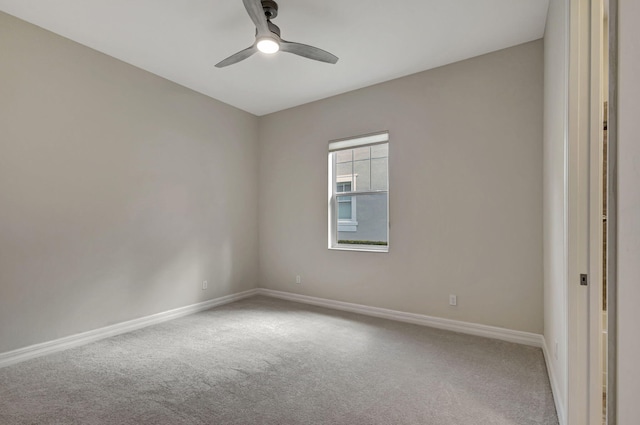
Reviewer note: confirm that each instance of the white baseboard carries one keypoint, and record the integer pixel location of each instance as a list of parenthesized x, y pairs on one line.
[(519, 337), (37, 350), (555, 389)]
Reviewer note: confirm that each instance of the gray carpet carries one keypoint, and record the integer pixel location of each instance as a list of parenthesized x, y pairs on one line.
[(267, 361)]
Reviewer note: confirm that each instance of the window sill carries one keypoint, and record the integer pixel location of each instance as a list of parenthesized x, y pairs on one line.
[(363, 248)]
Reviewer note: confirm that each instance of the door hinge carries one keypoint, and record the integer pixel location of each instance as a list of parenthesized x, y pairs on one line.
[(584, 279)]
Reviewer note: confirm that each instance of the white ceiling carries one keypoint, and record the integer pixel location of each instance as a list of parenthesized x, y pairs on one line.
[(376, 40)]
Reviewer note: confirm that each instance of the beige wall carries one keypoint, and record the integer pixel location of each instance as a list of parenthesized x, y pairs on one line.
[(119, 191), (629, 214), (555, 193), (465, 193)]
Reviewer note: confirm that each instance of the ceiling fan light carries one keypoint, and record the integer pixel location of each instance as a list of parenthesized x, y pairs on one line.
[(268, 45)]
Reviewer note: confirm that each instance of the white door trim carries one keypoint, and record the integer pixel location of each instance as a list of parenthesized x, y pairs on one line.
[(612, 220), (595, 337), (577, 181)]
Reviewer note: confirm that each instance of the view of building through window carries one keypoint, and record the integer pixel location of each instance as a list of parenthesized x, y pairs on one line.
[(360, 195)]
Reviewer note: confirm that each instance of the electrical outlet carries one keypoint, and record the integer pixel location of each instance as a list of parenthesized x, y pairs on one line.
[(298, 279), (453, 300), (205, 285)]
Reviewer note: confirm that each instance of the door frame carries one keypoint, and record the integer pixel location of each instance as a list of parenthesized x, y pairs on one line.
[(583, 213), (596, 199), (577, 211), (585, 236), (612, 213)]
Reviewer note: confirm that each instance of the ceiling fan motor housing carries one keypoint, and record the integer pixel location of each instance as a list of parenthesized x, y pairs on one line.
[(270, 8)]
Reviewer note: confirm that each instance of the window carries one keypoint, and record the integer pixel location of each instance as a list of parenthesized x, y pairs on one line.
[(359, 193)]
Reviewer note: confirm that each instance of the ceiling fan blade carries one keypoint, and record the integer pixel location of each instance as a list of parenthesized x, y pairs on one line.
[(256, 13), (237, 57), (308, 52)]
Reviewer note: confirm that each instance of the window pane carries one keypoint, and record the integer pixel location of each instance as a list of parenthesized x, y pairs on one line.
[(344, 207), (371, 218)]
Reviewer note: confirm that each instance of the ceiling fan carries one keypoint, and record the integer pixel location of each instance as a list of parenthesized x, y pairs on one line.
[(268, 37)]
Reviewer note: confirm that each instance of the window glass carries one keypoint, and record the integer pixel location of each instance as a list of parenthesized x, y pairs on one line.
[(359, 189), (344, 208)]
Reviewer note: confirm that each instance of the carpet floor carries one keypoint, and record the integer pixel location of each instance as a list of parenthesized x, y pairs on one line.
[(268, 361)]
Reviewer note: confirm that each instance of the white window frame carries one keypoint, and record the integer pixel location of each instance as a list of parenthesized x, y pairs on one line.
[(335, 225)]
